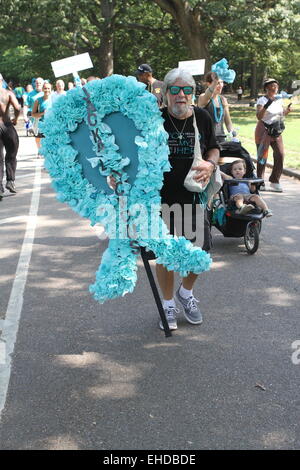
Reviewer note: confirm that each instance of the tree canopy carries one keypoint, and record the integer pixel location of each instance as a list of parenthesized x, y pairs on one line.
[(258, 37)]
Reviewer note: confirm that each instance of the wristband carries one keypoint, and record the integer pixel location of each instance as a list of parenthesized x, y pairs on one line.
[(213, 163), (268, 103)]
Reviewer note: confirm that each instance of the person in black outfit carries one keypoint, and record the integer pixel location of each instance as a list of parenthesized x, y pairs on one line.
[(217, 105), (9, 139), (178, 89)]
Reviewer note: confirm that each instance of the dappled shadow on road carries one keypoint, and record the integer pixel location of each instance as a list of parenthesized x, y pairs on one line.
[(90, 376)]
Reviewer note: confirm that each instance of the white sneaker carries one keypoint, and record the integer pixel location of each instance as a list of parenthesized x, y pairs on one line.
[(191, 311), (245, 209), (268, 213), (170, 313), (276, 187)]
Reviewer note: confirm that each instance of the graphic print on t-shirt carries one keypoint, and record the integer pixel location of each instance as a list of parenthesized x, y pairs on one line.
[(183, 147)]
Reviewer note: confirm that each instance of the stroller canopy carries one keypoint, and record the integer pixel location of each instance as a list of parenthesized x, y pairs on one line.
[(235, 151)]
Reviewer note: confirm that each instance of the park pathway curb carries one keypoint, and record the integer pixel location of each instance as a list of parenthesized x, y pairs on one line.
[(286, 171)]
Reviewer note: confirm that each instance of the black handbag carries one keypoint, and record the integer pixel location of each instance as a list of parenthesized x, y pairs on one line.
[(275, 129)]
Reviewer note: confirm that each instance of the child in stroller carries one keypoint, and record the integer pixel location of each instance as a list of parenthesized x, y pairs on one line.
[(243, 193), (224, 214)]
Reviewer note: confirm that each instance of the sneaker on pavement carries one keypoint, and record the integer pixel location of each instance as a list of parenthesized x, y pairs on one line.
[(191, 311), (268, 213), (245, 209), (170, 313), (10, 185), (276, 187)]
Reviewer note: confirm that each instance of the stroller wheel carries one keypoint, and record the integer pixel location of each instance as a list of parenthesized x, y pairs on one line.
[(251, 237)]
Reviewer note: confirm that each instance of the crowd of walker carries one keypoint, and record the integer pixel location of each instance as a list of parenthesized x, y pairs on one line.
[(185, 115)]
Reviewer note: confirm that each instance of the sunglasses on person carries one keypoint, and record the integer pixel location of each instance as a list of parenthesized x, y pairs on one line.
[(174, 90)]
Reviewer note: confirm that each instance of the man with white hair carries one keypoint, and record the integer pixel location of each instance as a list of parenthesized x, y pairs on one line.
[(9, 139), (184, 124)]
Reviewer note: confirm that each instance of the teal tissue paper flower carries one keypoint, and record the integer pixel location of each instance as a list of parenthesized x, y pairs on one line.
[(221, 68), (117, 272)]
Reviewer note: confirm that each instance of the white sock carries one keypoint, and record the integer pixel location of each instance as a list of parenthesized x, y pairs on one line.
[(185, 293), (169, 303)]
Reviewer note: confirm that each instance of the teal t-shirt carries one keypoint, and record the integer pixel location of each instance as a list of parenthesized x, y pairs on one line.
[(43, 106), (32, 96), (19, 91), (25, 96)]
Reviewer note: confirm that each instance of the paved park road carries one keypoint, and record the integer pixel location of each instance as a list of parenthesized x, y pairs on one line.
[(90, 376)]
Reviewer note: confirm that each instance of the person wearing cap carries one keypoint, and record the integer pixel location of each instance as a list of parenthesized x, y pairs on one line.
[(270, 113), (9, 139), (144, 74)]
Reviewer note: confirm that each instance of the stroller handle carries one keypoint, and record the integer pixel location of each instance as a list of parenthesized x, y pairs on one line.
[(236, 181)]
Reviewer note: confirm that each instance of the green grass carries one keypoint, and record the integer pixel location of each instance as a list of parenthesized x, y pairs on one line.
[(244, 118)]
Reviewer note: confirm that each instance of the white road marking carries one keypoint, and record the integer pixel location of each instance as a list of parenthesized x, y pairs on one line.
[(99, 231), (26, 175), (10, 324)]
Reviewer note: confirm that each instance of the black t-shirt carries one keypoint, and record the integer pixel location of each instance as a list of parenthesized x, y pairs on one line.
[(219, 126), (182, 152)]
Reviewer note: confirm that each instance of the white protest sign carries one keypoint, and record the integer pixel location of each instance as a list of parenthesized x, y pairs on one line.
[(72, 64), (195, 67)]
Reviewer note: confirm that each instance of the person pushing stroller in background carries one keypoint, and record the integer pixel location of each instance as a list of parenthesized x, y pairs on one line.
[(242, 193)]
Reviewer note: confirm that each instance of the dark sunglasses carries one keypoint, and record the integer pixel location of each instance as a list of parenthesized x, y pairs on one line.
[(187, 90)]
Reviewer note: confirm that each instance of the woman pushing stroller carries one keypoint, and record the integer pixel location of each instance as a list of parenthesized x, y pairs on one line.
[(243, 194)]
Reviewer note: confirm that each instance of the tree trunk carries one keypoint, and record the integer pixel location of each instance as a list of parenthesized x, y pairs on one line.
[(253, 83), (242, 69), (265, 75), (189, 21), (106, 55)]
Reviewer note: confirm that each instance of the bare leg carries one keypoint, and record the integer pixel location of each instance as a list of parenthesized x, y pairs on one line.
[(239, 201), (259, 202), (189, 281), (38, 144), (166, 281)]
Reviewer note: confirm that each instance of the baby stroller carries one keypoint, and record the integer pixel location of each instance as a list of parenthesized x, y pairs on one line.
[(222, 213)]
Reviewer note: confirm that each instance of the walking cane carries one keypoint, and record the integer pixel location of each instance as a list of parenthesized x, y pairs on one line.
[(155, 292)]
